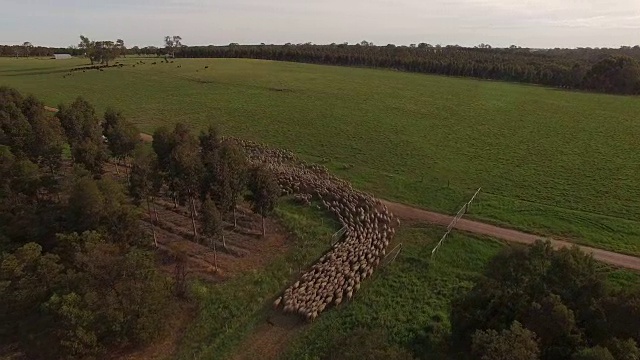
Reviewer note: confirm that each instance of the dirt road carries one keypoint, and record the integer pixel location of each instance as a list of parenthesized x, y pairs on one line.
[(412, 213)]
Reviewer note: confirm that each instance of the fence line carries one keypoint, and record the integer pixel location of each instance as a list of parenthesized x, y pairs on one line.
[(337, 236), (395, 252), (463, 210)]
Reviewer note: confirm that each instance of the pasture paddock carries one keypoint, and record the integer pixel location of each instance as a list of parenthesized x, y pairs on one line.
[(551, 162)]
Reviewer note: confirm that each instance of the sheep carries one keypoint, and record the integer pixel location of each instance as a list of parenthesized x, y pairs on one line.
[(369, 225)]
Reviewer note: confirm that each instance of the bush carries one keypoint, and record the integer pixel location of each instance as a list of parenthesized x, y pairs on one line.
[(367, 344), (516, 343)]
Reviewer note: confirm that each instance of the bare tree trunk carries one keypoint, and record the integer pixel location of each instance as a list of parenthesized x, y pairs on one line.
[(155, 210), (193, 218), (153, 226), (224, 243), (264, 231), (126, 169), (235, 218), (215, 254)]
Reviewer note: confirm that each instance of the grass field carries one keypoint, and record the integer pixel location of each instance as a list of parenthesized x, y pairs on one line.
[(549, 161)]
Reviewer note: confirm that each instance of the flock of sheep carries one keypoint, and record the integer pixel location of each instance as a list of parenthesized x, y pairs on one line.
[(337, 275)]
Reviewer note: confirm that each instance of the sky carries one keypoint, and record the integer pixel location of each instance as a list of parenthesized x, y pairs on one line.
[(527, 23)]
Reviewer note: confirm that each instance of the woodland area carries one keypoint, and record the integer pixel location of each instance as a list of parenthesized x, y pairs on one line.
[(602, 70), (615, 71), (79, 274)]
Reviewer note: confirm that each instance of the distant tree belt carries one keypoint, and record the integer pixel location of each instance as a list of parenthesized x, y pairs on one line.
[(602, 70), (607, 70)]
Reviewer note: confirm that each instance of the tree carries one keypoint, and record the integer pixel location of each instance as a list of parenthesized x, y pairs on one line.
[(86, 205), (559, 337), (121, 49), (16, 130), (623, 349), (172, 43), (620, 74), (264, 193), (127, 292), (101, 51), (515, 343), (594, 353), (28, 212), (89, 48), (102, 205), (121, 221), (225, 171), (84, 133), (106, 51), (212, 226), (47, 141), (186, 167), (236, 165), (145, 182), (163, 144), (122, 136), (90, 153), (27, 46), (28, 277), (622, 313), (74, 326), (210, 145)]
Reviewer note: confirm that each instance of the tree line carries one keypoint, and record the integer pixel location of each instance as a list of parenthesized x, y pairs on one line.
[(78, 271), (595, 69), (602, 70)]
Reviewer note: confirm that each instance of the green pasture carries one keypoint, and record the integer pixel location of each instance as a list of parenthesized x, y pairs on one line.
[(549, 161)]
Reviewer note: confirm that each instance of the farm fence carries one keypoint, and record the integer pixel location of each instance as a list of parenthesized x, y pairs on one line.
[(463, 210)]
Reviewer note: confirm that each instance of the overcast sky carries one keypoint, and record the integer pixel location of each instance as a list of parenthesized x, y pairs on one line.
[(528, 23)]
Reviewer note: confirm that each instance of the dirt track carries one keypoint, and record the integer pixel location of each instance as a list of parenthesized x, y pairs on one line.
[(411, 213)]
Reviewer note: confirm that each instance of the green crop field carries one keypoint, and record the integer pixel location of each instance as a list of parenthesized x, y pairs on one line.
[(549, 161)]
